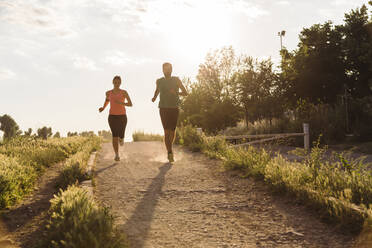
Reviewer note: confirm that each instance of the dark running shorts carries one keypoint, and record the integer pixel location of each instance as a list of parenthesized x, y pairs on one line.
[(169, 118), (117, 123)]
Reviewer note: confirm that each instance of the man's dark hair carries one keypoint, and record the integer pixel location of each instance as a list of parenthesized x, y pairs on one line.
[(167, 64)]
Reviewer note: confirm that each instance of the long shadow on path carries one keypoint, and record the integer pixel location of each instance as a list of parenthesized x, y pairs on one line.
[(145, 209), (105, 168)]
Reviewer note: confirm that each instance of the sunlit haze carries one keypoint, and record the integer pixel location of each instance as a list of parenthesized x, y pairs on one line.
[(59, 57)]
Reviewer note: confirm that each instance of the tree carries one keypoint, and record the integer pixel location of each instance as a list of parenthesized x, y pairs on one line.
[(331, 59), (44, 132), (57, 135), (220, 115), (213, 93), (9, 126), (216, 72), (357, 52), (87, 134), (28, 132), (258, 89), (71, 134), (315, 71), (193, 106)]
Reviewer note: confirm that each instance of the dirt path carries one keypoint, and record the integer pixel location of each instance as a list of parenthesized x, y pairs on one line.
[(194, 204)]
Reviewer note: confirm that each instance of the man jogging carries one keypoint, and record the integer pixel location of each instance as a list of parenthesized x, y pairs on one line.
[(169, 89)]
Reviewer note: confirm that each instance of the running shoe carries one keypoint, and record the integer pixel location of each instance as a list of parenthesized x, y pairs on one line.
[(121, 142), (170, 157), (117, 158)]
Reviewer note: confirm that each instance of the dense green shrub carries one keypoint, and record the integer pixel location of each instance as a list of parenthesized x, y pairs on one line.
[(78, 222), (213, 147), (188, 136)]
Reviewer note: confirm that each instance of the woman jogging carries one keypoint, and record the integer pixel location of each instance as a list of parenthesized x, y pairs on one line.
[(169, 89), (117, 119)]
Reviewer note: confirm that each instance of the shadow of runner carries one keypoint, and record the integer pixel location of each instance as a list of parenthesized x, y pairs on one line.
[(145, 210), (105, 168)]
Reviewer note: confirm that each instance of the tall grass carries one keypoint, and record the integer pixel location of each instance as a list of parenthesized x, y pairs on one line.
[(16, 180), (75, 167), (341, 189), (142, 136), (77, 221), (23, 160)]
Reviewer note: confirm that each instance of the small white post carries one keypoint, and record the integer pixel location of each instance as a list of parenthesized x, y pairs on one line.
[(306, 136), (199, 130)]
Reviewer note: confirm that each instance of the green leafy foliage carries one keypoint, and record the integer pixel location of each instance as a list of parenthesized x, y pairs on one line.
[(211, 102), (78, 222), (188, 136)]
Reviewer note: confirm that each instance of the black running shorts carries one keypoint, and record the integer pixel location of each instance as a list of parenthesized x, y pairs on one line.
[(169, 118), (118, 123)]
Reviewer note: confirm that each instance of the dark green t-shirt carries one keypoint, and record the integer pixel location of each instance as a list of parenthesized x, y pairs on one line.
[(169, 92)]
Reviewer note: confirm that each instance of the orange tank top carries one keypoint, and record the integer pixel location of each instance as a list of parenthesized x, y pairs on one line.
[(115, 108)]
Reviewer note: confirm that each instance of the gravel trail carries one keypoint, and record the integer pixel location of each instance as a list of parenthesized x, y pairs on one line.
[(193, 203)]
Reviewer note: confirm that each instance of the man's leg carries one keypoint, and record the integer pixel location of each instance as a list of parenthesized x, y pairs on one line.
[(172, 137), (167, 141)]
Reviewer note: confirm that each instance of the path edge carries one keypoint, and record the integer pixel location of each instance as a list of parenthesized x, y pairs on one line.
[(87, 185)]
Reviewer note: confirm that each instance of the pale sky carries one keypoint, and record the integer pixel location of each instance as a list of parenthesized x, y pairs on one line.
[(57, 58)]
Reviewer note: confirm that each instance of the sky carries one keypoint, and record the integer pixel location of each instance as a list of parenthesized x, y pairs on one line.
[(58, 58)]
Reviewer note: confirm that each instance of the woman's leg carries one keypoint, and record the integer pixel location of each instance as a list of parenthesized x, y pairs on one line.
[(115, 145), (123, 122), (114, 123)]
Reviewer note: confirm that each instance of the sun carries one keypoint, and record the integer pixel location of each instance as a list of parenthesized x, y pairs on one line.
[(192, 31), (200, 31)]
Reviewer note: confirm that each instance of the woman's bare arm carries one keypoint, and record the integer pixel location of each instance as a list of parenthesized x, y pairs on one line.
[(129, 101), (105, 103)]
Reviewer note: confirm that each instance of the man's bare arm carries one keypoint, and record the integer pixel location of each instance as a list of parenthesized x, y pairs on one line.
[(183, 89), (156, 93)]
